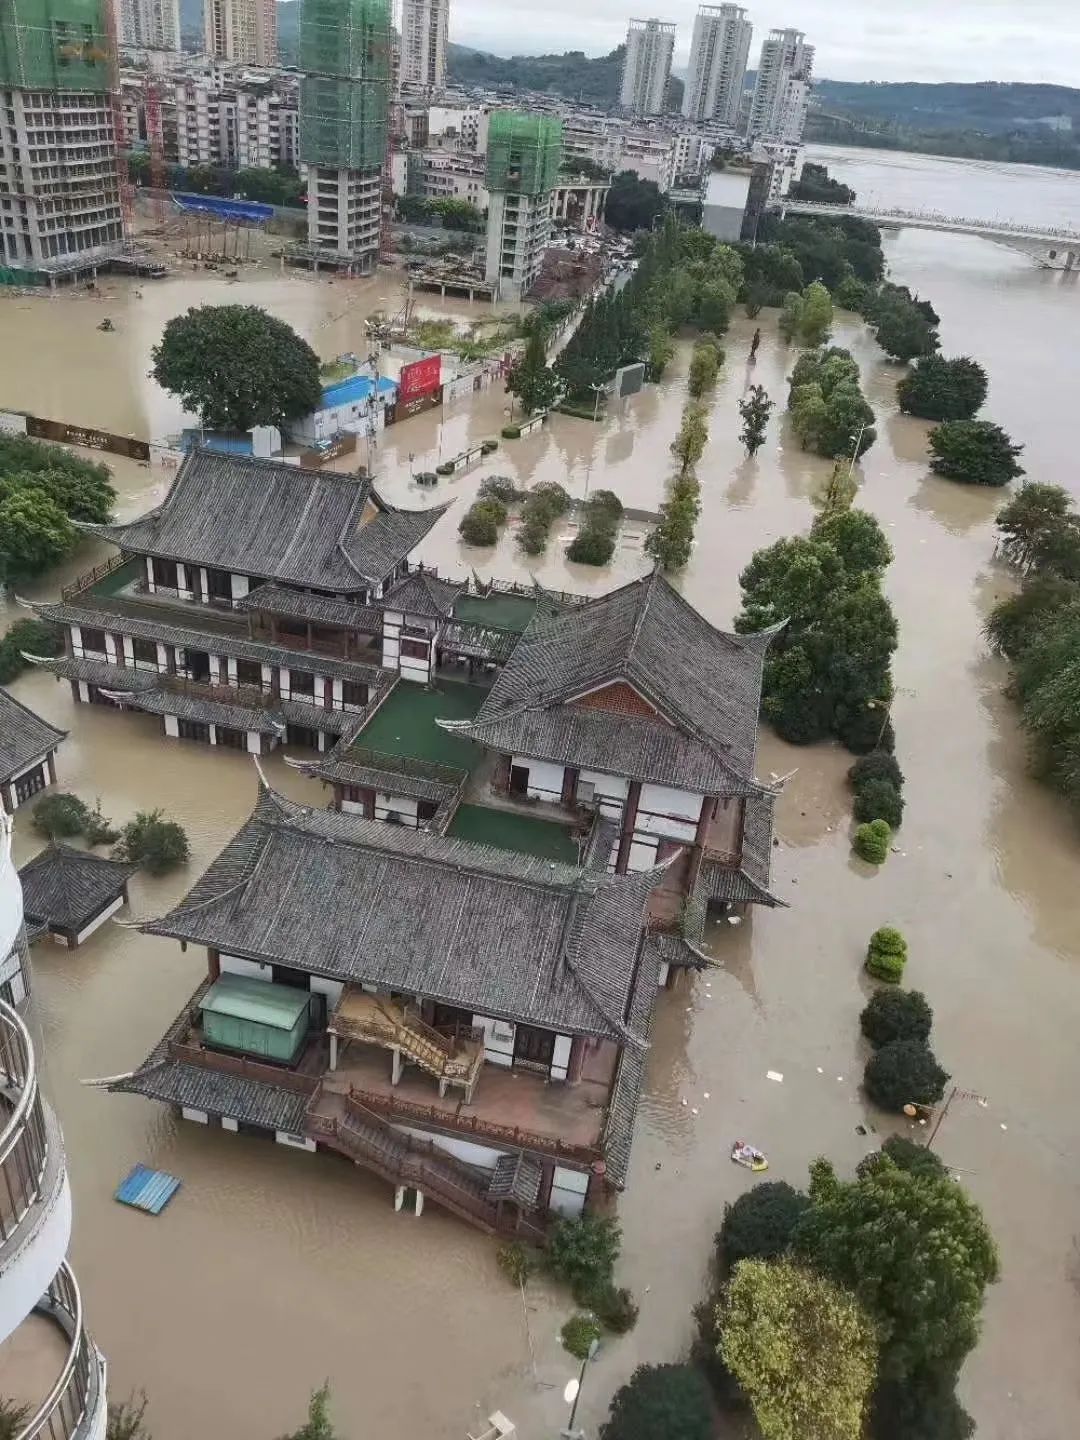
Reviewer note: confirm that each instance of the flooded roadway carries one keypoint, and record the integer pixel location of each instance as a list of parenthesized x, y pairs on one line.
[(273, 1270)]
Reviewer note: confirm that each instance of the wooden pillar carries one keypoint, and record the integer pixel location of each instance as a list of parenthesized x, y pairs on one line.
[(308, 633), (569, 786), (50, 761), (578, 1047), (213, 964), (597, 1185), (630, 810)]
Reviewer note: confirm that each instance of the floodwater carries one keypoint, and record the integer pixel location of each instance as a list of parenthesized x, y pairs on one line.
[(272, 1270)]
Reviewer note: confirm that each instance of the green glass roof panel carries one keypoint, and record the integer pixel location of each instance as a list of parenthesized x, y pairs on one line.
[(279, 1006)]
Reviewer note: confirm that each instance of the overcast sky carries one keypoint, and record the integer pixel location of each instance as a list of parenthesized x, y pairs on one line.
[(1034, 40)]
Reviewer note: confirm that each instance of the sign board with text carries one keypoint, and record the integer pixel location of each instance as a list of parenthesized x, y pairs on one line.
[(420, 377)]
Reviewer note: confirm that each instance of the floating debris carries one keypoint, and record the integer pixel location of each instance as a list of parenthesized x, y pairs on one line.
[(774, 1075)]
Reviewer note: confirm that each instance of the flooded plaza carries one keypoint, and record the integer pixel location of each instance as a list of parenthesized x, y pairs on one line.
[(273, 1270)]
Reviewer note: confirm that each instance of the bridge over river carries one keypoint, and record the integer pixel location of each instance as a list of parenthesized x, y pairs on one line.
[(1053, 246)]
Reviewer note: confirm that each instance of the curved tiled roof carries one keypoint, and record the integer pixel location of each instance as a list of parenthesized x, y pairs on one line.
[(64, 888), (24, 736)]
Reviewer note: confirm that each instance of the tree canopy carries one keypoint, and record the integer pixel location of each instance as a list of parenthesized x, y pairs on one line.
[(940, 389), (661, 1400), (235, 366), (532, 380), (974, 451), (802, 1349), (632, 203), (830, 414), (915, 1251), (43, 488)]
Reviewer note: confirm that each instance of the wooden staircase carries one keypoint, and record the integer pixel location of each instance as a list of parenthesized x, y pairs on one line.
[(379, 1020), (365, 1138)]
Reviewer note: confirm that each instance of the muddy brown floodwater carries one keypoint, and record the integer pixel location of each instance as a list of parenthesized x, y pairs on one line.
[(272, 1269)]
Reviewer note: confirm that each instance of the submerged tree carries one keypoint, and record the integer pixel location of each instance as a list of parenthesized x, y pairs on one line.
[(532, 380), (754, 411), (318, 1425), (976, 452), (940, 389), (235, 366), (801, 1347)]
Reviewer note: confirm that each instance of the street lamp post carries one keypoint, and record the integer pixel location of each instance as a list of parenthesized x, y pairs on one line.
[(572, 1394)]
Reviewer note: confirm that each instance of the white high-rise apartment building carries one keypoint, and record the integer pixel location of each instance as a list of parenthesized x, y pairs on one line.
[(150, 24), (782, 92), (719, 50), (647, 68), (58, 1373), (424, 32), (241, 30)]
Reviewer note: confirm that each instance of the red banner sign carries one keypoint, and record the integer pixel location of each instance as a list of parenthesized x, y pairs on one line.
[(420, 378)]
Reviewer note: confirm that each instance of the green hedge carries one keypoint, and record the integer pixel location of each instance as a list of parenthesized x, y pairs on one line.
[(871, 842), (886, 955)]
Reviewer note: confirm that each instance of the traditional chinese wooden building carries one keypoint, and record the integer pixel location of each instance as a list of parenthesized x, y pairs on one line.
[(474, 1023), (28, 745), (636, 708)]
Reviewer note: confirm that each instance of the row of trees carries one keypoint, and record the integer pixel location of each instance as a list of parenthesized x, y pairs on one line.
[(1038, 629), (151, 841), (847, 1311), (449, 212), (281, 186), (43, 490), (671, 543)]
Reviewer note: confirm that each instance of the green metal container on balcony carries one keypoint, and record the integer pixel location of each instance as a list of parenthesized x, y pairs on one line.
[(256, 1017)]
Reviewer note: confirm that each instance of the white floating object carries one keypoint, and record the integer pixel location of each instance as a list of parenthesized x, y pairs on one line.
[(734, 919), (840, 1078), (774, 1075), (693, 1110), (706, 1094), (820, 1071), (1004, 1126), (684, 1102)]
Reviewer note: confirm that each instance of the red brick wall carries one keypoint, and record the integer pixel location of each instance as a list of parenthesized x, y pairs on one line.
[(620, 698)]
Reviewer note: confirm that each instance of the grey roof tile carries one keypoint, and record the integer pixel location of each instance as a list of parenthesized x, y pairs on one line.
[(265, 517), (503, 933), (24, 736), (65, 888)]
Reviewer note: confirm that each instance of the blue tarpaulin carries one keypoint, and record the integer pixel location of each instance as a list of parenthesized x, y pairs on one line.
[(250, 212)]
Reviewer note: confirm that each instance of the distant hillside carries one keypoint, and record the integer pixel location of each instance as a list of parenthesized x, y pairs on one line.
[(574, 75), (1024, 124)]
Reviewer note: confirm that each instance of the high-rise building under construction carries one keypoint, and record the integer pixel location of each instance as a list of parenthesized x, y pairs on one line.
[(344, 98), (524, 153), (59, 191)]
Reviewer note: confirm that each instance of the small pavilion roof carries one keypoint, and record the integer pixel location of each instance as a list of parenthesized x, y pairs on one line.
[(64, 888), (424, 594), (24, 736)]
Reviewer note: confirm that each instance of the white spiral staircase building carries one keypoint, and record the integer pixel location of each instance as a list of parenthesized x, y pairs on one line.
[(37, 1287)]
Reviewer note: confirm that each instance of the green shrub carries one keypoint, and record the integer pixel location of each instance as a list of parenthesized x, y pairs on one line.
[(661, 1402), (871, 842), (896, 1015), (426, 477), (60, 815), (614, 1307), (99, 828), (878, 765), (976, 452), (904, 1072), (583, 1251), (511, 432), (480, 523), (35, 637), (487, 446), (591, 547), (906, 1155), (515, 1261), (886, 955), (155, 844), (861, 731), (501, 488), (446, 468), (578, 1334), (760, 1223), (879, 800), (544, 503)]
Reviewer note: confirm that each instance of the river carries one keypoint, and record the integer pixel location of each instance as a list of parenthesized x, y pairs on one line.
[(272, 1270)]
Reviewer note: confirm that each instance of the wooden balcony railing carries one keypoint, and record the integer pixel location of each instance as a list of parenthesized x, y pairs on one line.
[(83, 582), (243, 1068), (512, 1136)]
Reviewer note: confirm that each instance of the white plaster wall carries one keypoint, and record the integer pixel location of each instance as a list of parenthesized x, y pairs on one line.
[(419, 671), (294, 1142), (228, 1123), (498, 1039), (96, 924), (332, 989), (672, 813), (642, 855), (240, 586), (171, 726), (403, 805), (610, 791), (11, 898), (199, 1116), (560, 1059), (545, 779), (254, 742), (466, 1150), (110, 648), (238, 965)]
